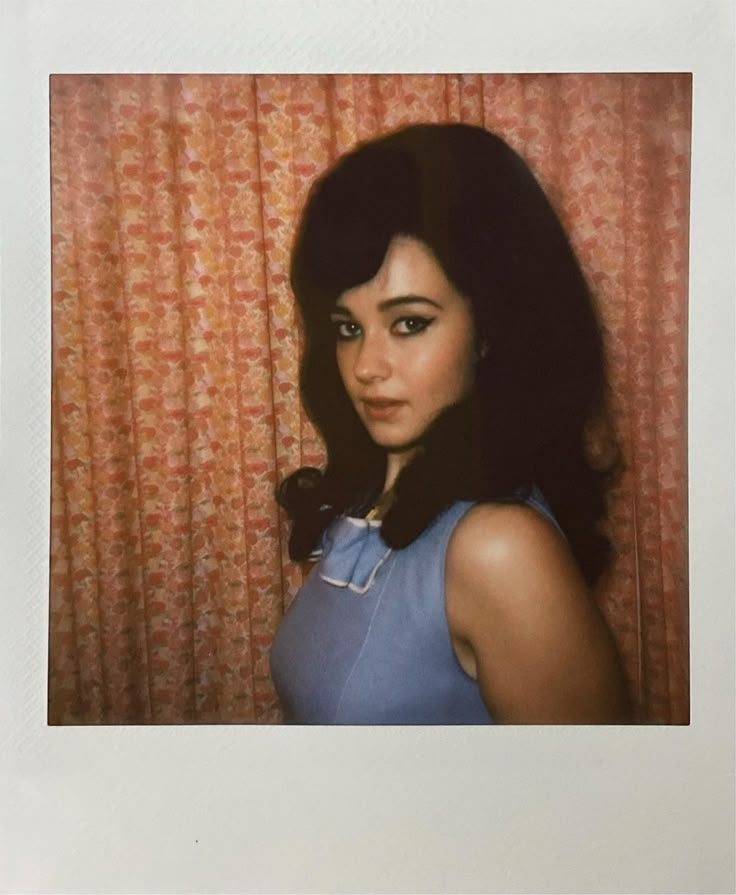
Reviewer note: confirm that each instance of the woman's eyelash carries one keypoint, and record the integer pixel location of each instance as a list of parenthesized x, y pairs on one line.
[(345, 329), (413, 325)]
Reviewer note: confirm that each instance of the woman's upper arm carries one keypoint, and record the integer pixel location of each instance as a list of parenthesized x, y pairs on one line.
[(516, 598)]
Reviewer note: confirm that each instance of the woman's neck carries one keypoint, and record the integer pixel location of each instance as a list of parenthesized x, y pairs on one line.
[(395, 462), (381, 506)]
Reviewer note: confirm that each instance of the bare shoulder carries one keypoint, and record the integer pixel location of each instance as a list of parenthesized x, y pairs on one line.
[(524, 623), (498, 530), (500, 552)]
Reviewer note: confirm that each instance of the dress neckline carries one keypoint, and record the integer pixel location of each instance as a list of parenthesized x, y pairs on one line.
[(352, 552)]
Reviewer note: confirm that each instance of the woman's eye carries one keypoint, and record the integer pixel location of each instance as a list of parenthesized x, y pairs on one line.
[(346, 329), (409, 326)]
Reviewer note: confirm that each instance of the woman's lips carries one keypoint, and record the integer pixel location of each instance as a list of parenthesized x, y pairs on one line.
[(381, 410)]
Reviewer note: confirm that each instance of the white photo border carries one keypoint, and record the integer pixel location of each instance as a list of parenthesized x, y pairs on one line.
[(250, 808)]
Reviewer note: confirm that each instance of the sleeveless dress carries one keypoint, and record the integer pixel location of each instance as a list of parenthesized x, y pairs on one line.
[(366, 640)]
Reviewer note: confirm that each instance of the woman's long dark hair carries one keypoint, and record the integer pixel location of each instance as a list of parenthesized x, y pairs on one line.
[(471, 199)]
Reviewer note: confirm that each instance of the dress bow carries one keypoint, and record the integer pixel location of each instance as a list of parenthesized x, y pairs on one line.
[(352, 553)]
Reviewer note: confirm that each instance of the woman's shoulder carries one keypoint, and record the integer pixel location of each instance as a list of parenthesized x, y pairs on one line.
[(509, 560), (494, 534), (518, 605)]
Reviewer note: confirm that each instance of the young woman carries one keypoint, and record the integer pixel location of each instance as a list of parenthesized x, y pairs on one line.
[(453, 364)]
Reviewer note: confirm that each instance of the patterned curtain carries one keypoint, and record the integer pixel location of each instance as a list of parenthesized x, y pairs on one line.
[(175, 361)]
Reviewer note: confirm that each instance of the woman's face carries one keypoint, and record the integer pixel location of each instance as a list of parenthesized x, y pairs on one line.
[(405, 345)]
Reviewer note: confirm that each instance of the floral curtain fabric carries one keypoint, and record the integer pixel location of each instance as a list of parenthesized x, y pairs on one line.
[(175, 361)]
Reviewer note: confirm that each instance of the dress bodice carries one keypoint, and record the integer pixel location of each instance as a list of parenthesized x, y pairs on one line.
[(366, 640)]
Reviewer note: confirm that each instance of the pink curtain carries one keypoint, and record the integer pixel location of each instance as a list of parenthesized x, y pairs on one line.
[(175, 361)]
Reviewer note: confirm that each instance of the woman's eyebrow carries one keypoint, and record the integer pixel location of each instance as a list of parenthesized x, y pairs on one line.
[(389, 303)]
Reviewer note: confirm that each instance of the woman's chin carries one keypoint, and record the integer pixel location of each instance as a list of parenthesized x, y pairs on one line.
[(396, 445)]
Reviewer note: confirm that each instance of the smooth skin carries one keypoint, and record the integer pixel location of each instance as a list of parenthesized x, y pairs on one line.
[(406, 336), (521, 619), (524, 625)]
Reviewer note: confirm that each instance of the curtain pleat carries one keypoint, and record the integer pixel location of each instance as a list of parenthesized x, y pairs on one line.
[(175, 361)]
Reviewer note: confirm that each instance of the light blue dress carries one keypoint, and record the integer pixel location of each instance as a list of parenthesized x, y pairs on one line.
[(366, 640)]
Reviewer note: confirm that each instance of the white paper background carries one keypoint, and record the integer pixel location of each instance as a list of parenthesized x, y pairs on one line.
[(225, 809)]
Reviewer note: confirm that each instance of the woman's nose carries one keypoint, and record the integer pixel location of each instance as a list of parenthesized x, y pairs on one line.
[(371, 362)]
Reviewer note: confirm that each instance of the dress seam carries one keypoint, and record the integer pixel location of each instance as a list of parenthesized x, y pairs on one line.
[(379, 599)]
